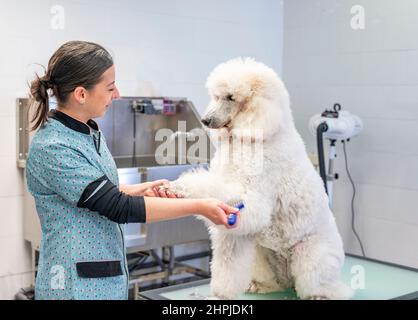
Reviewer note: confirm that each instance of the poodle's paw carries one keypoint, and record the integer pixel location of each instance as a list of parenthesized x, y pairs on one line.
[(318, 298), (224, 290), (332, 291), (257, 287), (213, 298), (177, 189), (223, 295), (261, 287), (178, 194)]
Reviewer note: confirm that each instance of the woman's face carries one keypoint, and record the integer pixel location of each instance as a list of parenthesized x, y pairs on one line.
[(100, 97)]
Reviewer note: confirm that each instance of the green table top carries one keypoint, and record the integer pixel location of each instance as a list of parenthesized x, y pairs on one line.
[(371, 280)]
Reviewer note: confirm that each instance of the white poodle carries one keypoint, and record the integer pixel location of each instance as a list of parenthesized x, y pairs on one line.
[(286, 236)]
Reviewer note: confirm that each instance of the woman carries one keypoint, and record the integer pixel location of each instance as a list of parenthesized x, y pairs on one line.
[(74, 181)]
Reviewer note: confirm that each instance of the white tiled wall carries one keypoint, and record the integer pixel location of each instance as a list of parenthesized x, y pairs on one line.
[(160, 47), (374, 74)]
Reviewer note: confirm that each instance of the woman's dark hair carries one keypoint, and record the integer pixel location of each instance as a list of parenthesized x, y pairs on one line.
[(74, 64)]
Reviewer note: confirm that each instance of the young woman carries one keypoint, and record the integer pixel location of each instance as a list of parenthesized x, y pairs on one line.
[(74, 181)]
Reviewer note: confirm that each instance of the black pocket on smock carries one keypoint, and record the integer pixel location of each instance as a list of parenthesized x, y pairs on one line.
[(99, 269)]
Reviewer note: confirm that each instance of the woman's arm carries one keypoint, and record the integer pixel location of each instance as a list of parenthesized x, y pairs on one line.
[(158, 209)]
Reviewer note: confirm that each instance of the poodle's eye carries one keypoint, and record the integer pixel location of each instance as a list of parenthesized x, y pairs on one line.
[(230, 97)]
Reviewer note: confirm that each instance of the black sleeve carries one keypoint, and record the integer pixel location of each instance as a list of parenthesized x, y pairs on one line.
[(104, 197)]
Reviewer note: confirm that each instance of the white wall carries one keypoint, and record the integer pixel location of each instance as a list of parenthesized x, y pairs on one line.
[(160, 47), (374, 74)]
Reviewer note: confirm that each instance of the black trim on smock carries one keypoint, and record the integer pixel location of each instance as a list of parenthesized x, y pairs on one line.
[(78, 126), (72, 123), (104, 197)]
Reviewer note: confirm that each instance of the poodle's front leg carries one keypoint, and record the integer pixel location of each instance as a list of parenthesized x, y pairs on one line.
[(203, 184), (231, 264)]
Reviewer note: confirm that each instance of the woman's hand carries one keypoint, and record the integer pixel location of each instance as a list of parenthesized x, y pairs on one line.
[(157, 188), (217, 212)]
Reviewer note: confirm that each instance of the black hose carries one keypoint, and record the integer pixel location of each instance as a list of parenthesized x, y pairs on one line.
[(353, 223), (323, 127)]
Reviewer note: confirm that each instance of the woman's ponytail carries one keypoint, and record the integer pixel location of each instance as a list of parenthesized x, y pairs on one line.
[(39, 93)]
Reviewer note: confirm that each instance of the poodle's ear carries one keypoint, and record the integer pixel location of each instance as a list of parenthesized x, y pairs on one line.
[(256, 84)]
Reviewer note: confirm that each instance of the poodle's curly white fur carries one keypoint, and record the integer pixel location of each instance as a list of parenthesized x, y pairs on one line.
[(286, 235)]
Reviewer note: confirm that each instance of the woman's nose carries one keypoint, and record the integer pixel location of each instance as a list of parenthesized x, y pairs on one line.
[(116, 94)]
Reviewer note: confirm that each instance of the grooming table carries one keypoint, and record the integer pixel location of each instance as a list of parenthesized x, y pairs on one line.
[(382, 281)]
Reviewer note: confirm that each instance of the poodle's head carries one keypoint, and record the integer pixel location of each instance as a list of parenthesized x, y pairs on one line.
[(246, 94)]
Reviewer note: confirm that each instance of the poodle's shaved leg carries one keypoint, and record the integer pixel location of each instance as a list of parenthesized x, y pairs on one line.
[(231, 264)]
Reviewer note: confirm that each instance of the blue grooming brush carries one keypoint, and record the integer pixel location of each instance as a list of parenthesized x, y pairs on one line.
[(232, 217)]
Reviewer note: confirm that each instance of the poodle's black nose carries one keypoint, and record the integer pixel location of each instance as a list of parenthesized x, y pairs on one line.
[(206, 121)]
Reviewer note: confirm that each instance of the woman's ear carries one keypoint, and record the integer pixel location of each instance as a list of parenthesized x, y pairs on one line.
[(80, 95)]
